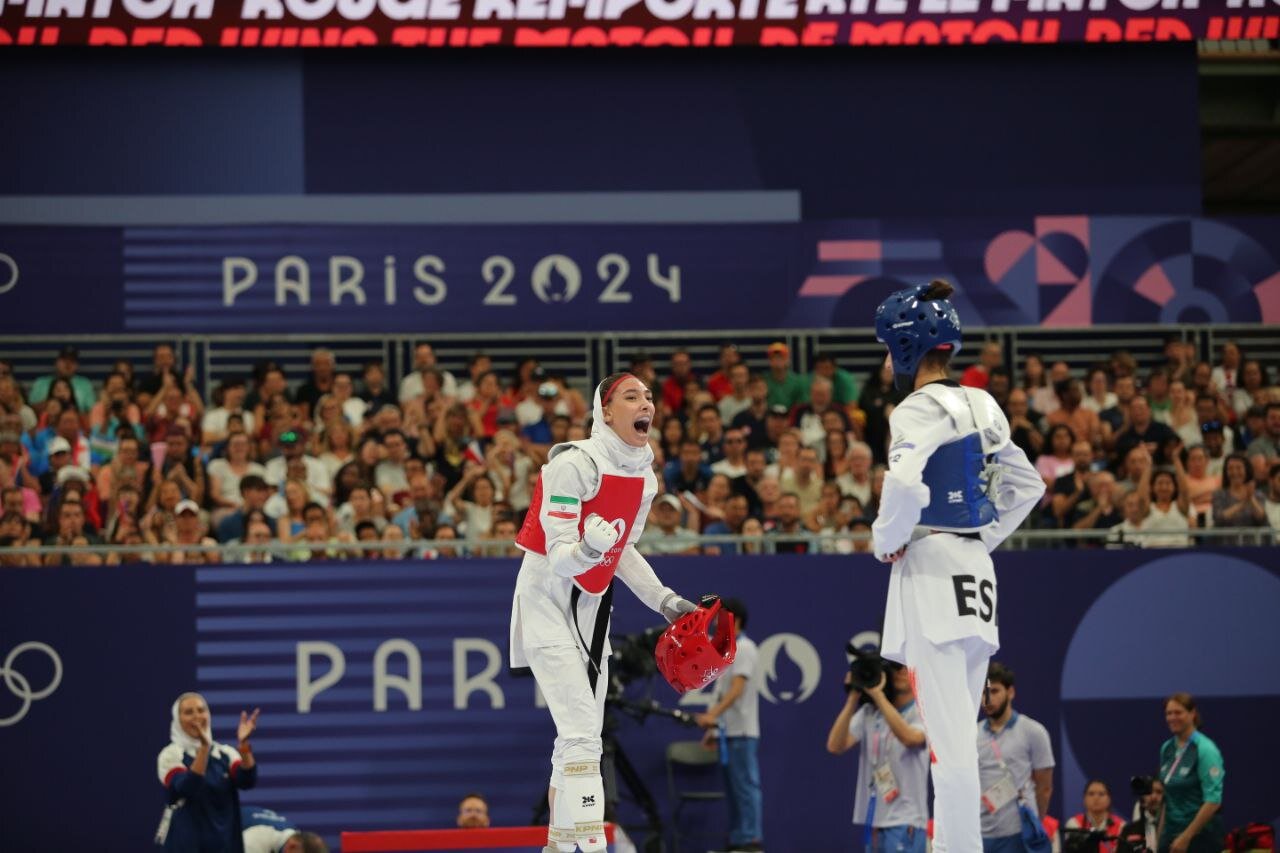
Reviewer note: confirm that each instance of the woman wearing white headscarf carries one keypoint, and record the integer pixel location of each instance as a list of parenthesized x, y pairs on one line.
[(587, 512), (203, 779)]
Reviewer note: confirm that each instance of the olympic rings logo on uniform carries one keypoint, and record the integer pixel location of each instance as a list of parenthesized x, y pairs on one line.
[(18, 684)]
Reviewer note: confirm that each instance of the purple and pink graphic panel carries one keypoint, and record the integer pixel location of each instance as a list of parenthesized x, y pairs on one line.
[(1051, 270)]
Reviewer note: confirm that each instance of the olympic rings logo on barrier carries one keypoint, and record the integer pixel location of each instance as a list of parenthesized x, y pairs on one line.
[(7, 261), (19, 685)]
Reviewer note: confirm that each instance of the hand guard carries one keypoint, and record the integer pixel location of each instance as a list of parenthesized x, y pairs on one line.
[(598, 536), (673, 607)]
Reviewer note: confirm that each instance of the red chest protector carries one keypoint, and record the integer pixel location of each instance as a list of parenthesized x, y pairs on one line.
[(617, 501)]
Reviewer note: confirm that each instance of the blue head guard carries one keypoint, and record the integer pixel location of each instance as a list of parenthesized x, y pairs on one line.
[(910, 326)]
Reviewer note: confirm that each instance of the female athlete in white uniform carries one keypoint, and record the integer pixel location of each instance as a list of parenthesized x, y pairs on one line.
[(587, 512), (956, 487)]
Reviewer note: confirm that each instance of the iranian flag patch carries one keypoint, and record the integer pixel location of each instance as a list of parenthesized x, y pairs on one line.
[(563, 506)]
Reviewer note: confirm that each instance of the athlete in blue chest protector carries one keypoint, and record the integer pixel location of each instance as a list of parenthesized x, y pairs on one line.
[(956, 487)]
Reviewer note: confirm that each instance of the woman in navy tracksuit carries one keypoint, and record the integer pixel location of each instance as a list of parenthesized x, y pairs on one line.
[(203, 780)]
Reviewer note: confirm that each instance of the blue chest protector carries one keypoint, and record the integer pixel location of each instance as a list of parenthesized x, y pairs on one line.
[(957, 487)]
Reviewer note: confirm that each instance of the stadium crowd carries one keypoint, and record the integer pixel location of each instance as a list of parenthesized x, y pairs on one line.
[(773, 455)]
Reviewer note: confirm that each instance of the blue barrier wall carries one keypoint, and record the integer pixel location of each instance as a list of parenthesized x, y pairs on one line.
[(1097, 640)]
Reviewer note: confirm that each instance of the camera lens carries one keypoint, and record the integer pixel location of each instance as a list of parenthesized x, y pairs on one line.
[(865, 670)]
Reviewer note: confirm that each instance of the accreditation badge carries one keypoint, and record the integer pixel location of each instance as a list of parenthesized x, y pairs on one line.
[(886, 784), (1000, 794)]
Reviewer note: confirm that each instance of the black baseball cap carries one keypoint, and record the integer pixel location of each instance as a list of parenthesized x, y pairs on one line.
[(69, 352)]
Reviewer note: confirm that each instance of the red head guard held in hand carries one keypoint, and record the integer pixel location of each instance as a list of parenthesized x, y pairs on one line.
[(687, 658)]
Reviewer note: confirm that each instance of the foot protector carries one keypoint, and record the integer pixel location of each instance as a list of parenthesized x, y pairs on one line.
[(561, 839)]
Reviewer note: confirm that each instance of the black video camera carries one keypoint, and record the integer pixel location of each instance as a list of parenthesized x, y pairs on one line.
[(1141, 786), (1084, 840), (633, 656), (865, 669)]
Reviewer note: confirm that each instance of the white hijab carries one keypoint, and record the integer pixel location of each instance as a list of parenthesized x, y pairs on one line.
[(177, 735), (633, 460)]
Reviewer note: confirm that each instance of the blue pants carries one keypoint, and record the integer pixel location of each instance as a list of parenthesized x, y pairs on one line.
[(742, 785), (898, 839), (1004, 844)]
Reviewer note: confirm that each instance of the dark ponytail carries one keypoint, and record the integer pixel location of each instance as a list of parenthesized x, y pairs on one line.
[(938, 289), (940, 358)]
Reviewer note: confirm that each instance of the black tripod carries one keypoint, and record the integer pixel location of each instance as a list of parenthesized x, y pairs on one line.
[(619, 764)]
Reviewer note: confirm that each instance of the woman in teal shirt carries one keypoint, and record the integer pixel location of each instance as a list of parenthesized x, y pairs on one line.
[(1192, 771)]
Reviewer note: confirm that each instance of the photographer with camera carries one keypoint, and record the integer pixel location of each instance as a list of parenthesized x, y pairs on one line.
[(1142, 833), (892, 798), (1097, 828)]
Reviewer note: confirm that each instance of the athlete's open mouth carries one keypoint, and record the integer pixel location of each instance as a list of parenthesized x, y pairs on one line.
[(642, 425)]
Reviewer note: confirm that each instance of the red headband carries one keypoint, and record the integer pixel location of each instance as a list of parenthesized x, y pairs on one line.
[(604, 398)]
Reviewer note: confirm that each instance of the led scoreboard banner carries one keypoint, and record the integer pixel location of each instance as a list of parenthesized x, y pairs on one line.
[(646, 23)]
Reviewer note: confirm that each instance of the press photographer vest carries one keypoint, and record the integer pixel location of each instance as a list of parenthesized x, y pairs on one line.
[(957, 473), (617, 499)]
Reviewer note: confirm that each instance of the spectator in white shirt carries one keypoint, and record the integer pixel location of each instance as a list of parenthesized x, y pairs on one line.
[(225, 475), (390, 475), (1135, 518), (292, 445), (478, 365), (344, 391), (1252, 381), (424, 359), (734, 463), (666, 535), (1099, 397), (739, 397), (229, 397), (1225, 376), (856, 481), (361, 507), (1169, 506)]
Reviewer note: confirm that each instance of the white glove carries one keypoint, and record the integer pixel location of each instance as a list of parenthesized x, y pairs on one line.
[(673, 607), (598, 536)]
